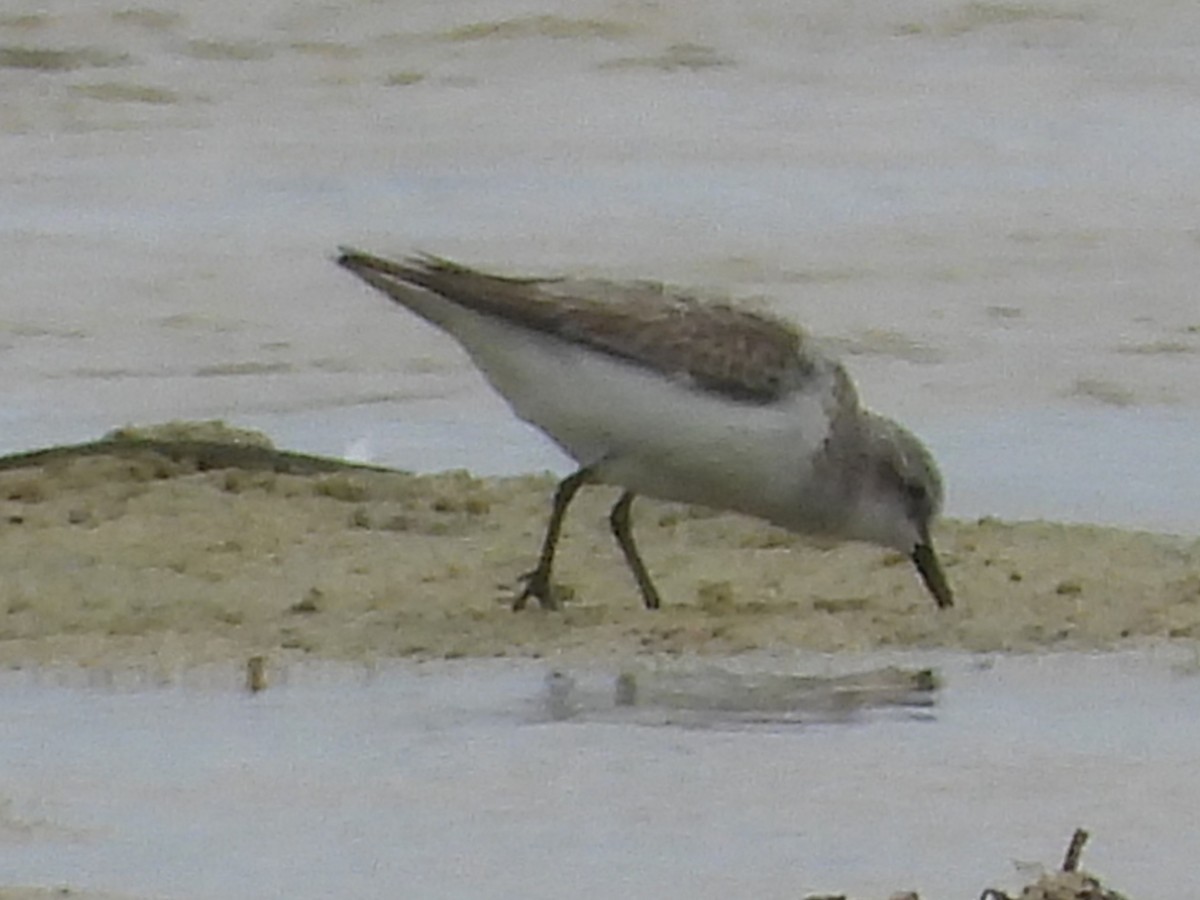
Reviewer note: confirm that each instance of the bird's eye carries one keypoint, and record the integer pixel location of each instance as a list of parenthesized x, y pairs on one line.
[(916, 492)]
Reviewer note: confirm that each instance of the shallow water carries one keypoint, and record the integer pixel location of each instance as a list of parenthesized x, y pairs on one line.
[(1125, 468), (454, 780), (1119, 467), (989, 209)]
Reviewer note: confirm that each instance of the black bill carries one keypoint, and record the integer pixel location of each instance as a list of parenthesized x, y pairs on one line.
[(927, 564)]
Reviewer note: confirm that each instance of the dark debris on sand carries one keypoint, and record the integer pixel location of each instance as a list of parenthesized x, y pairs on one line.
[(1069, 883)]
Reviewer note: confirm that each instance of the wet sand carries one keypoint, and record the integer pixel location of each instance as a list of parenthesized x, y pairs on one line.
[(37, 893), (172, 553)]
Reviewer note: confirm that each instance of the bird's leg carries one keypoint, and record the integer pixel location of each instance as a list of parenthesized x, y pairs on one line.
[(537, 582), (622, 531)]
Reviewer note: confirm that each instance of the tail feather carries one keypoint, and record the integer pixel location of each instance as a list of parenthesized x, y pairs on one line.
[(404, 283), (517, 300)]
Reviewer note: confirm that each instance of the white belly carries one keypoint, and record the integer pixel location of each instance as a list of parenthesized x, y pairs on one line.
[(654, 435)]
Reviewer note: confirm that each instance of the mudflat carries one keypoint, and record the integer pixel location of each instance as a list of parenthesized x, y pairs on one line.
[(182, 546)]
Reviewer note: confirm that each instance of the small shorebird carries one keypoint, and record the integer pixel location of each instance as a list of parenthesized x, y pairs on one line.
[(660, 394)]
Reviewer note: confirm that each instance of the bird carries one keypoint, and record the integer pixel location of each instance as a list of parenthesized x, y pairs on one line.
[(664, 394)]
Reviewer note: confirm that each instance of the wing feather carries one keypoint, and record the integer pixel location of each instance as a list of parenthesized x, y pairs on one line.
[(745, 355)]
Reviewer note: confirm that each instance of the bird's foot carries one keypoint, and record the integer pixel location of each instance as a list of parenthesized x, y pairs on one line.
[(538, 585)]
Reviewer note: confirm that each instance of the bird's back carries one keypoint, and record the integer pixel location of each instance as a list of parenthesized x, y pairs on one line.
[(746, 356)]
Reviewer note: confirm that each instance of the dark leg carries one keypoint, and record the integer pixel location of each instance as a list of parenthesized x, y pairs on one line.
[(619, 519), (537, 582)]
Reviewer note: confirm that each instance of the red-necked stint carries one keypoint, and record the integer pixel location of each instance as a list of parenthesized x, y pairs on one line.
[(658, 393)]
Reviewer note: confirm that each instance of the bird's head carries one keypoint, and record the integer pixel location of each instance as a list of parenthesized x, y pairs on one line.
[(898, 500)]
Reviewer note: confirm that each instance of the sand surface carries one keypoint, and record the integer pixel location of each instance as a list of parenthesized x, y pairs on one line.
[(172, 553)]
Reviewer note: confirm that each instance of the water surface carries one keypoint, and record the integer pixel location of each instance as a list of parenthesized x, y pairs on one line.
[(453, 780)]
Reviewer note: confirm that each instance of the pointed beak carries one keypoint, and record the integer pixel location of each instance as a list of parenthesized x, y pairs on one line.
[(927, 564)]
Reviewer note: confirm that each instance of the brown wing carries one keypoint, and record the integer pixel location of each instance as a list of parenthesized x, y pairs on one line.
[(742, 354)]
